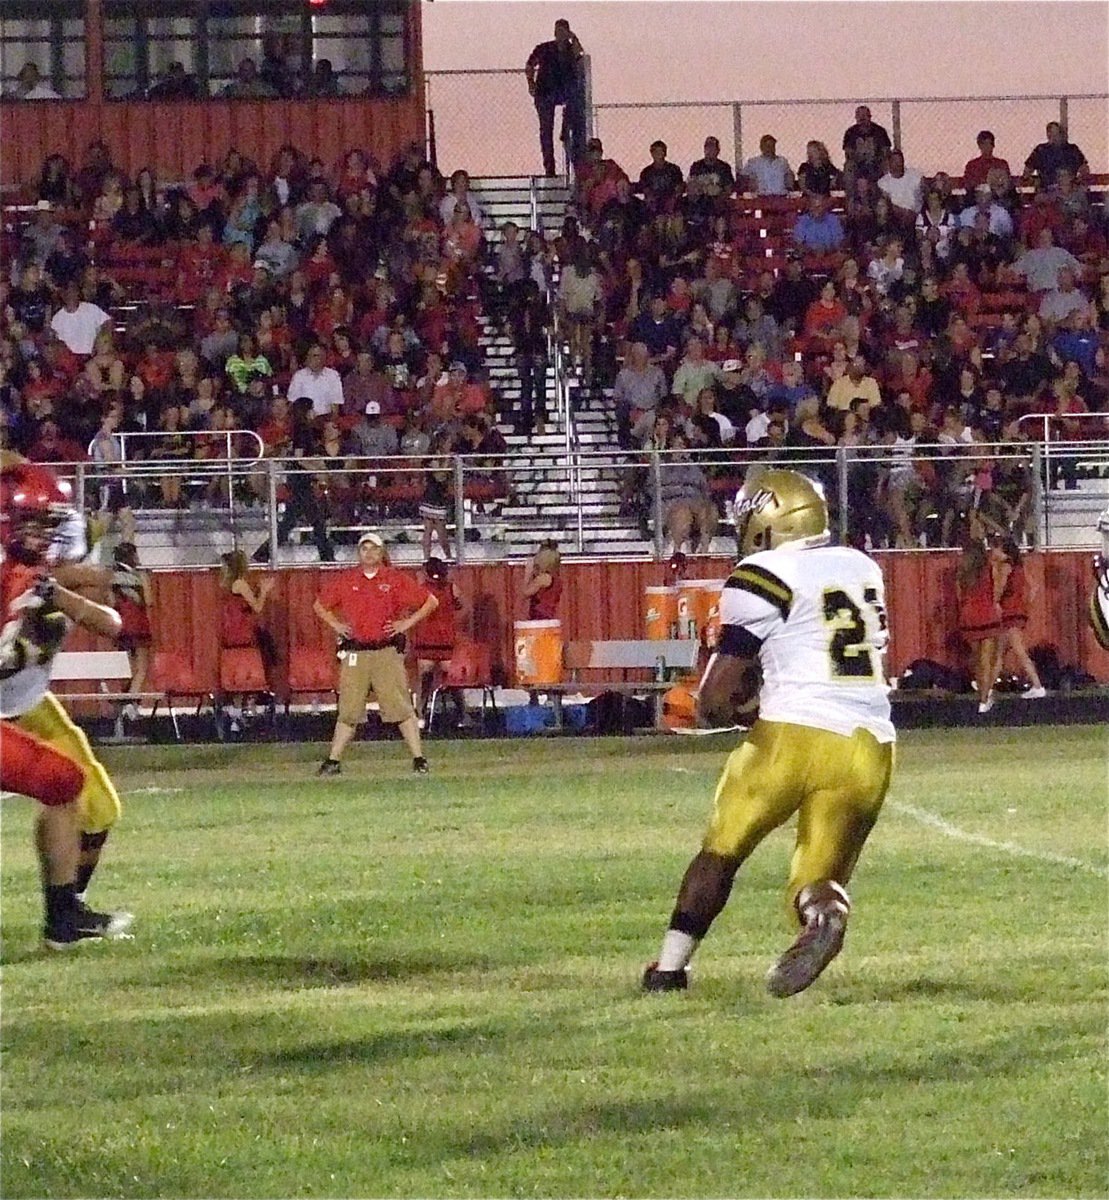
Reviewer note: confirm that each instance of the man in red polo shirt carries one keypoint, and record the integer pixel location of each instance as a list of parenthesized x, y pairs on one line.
[(371, 607)]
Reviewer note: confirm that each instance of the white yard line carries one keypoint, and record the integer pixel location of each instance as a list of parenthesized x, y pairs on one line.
[(977, 839), (140, 791)]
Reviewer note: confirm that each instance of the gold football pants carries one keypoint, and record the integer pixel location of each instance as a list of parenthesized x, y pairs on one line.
[(835, 784), (98, 806)]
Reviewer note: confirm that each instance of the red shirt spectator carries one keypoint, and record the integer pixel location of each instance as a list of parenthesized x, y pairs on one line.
[(825, 315), (199, 265), (235, 270), (977, 170), (51, 447), (1043, 213)]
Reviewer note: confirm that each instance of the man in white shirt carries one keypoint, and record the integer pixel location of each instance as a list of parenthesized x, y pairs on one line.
[(903, 186), (317, 213), (318, 383), (1064, 299), (78, 322), (1001, 224), (1041, 266), (768, 173), (30, 85)]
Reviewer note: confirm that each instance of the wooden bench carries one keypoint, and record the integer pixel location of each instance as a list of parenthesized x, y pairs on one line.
[(104, 666), (662, 657)]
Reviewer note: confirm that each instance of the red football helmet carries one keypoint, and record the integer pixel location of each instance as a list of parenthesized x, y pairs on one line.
[(33, 503)]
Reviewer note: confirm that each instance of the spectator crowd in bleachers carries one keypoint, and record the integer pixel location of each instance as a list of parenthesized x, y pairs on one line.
[(336, 311)]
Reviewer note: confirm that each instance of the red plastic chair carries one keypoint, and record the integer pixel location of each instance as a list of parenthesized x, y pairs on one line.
[(241, 670), (172, 674), (469, 666), (312, 670)]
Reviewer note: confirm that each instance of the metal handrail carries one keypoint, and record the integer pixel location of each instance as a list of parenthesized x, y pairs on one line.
[(1046, 418), (196, 435), (543, 477)]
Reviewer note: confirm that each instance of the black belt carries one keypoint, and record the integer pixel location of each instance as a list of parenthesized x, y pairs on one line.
[(397, 642)]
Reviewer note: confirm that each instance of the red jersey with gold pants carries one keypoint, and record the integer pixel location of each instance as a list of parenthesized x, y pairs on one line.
[(61, 752), (28, 766), (372, 658)]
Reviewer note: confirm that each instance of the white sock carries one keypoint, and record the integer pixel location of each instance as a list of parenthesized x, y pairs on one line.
[(677, 950)]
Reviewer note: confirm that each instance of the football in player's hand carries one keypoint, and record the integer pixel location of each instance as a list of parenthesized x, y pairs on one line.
[(45, 628), (745, 701)]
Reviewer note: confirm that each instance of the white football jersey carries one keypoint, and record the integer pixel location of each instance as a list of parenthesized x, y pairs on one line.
[(1099, 616), (816, 619)]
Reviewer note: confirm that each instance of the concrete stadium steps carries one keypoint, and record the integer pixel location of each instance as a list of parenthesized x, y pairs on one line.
[(509, 198), (1070, 517)]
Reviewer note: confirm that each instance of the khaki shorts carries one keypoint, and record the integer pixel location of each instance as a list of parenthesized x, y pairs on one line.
[(381, 671)]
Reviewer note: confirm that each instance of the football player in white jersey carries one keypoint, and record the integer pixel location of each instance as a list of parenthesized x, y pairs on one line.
[(803, 629), (1099, 598)]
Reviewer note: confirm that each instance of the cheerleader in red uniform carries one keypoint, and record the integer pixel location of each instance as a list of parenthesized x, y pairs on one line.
[(1013, 599), (132, 599), (980, 610), (434, 639)]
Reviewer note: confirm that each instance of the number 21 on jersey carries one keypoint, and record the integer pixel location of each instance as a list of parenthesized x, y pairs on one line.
[(854, 644)]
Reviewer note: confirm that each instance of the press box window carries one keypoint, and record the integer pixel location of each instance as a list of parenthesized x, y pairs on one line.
[(256, 49), (42, 49)]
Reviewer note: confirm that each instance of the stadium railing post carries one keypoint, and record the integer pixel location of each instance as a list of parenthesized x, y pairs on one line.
[(459, 510), (1039, 509), (656, 471), (842, 474), (271, 508), (737, 137)]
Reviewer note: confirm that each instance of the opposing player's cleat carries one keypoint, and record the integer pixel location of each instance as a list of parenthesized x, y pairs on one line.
[(820, 941), (1034, 694), (330, 766), (420, 766), (655, 980), (111, 926), (986, 704)]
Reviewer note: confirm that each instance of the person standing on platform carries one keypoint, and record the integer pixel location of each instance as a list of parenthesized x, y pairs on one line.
[(554, 77), (371, 608)]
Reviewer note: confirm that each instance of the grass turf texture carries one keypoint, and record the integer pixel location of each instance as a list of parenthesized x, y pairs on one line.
[(387, 985)]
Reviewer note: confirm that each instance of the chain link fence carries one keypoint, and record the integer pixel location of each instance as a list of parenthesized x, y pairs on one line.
[(936, 133), (485, 121)]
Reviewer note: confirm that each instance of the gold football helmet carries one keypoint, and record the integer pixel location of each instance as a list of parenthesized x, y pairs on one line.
[(774, 507)]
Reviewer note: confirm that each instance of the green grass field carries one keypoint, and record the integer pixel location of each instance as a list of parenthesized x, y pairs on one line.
[(384, 985)]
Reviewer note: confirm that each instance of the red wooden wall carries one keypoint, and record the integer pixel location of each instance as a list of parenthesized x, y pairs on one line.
[(605, 600), (175, 138)]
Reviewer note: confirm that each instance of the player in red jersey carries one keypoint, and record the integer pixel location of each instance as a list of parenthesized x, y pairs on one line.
[(35, 614)]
